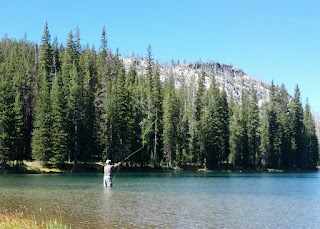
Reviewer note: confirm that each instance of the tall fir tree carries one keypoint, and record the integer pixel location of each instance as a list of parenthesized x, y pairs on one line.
[(224, 114), (59, 123), (184, 153), (102, 64), (41, 136), (273, 158), (235, 156), (118, 120), (6, 118), (75, 107), (17, 135), (89, 149), (152, 125), (311, 154), (215, 126), (196, 139), (125, 121), (109, 130), (253, 125), (28, 91), (297, 130), (148, 129), (170, 120), (245, 159), (286, 157), (157, 116), (56, 65), (46, 57), (135, 112)]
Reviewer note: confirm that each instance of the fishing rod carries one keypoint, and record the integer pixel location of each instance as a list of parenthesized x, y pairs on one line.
[(144, 134), (132, 154), (127, 159)]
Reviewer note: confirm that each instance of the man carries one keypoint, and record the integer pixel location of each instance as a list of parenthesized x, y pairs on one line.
[(107, 181)]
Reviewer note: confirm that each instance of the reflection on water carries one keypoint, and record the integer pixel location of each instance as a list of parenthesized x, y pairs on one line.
[(169, 200)]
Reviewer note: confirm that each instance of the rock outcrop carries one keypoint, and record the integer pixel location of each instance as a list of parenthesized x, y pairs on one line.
[(228, 76)]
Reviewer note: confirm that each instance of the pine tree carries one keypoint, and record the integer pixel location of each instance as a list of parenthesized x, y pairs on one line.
[(6, 117), (286, 157), (88, 116), (171, 120), (119, 128), (297, 131), (103, 42), (148, 128), (125, 122), (135, 113), (244, 129), (311, 155), (56, 65), (17, 134), (59, 123), (157, 116), (46, 57), (235, 157), (224, 113), (75, 107), (27, 70), (253, 125), (152, 126), (41, 136), (197, 146), (215, 125), (109, 131), (103, 69), (273, 159), (183, 153), (72, 81)]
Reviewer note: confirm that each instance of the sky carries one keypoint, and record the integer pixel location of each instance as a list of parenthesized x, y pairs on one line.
[(275, 40)]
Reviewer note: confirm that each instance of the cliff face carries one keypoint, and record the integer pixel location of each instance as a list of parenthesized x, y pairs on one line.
[(228, 77)]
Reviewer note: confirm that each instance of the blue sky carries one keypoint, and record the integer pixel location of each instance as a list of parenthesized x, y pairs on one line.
[(268, 39)]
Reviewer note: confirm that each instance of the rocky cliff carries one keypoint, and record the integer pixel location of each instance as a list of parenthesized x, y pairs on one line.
[(228, 76)]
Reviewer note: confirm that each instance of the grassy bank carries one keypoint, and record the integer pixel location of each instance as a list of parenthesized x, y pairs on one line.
[(40, 167), (20, 220)]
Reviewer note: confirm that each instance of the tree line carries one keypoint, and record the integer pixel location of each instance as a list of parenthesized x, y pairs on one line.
[(74, 103)]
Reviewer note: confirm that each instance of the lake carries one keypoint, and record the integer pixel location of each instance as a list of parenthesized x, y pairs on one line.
[(168, 199)]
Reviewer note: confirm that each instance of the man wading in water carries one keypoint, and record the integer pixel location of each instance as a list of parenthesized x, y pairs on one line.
[(107, 181)]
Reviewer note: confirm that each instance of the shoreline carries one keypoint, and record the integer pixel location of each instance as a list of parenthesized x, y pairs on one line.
[(36, 167)]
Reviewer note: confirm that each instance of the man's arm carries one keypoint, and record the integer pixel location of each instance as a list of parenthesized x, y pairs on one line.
[(118, 164)]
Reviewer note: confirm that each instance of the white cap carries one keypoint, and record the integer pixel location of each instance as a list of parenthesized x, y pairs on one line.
[(108, 161)]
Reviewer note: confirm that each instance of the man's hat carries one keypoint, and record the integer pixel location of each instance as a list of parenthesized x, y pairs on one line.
[(108, 161)]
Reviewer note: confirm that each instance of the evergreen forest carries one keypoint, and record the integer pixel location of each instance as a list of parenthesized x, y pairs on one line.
[(69, 103)]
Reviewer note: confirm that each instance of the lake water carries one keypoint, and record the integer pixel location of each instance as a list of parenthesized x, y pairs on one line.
[(168, 199)]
